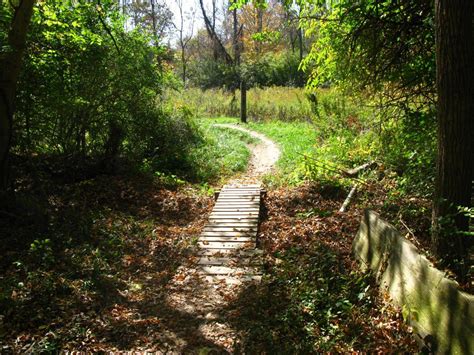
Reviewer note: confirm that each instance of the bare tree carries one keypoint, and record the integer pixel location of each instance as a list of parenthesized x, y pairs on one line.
[(210, 24), (224, 54), (184, 38)]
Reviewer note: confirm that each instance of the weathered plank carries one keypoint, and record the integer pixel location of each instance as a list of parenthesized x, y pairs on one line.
[(228, 234), (229, 261), (235, 216), (226, 245), (234, 253), (228, 241), (225, 270), (223, 238), (236, 209), (230, 227)]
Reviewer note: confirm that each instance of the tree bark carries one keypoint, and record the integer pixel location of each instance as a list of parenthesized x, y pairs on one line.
[(455, 79), (10, 66)]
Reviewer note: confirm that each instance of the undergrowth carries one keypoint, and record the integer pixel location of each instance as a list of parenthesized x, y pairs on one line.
[(312, 298)]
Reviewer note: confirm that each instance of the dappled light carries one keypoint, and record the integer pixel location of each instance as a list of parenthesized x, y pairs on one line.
[(236, 176)]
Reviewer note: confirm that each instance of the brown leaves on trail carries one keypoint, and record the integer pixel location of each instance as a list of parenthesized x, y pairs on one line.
[(118, 274), (307, 215), (97, 282), (313, 296)]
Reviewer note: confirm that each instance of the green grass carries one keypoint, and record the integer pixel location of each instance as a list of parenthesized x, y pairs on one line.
[(295, 139), (223, 153)]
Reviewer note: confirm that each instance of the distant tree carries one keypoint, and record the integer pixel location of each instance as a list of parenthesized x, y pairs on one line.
[(183, 37), (10, 66), (224, 54), (153, 16)]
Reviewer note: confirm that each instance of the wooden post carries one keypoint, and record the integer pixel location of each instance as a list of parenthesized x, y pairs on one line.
[(243, 102)]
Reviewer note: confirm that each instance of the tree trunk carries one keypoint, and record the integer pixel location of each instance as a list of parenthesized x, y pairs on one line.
[(300, 42), (183, 64), (10, 66), (454, 74), (243, 102)]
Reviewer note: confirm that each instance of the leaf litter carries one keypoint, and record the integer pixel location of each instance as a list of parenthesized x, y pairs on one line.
[(119, 274)]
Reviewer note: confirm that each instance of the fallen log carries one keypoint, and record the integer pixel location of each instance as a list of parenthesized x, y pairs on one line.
[(348, 199), (355, 171)]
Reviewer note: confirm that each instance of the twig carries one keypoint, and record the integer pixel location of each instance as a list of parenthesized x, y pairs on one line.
[(408, 229)]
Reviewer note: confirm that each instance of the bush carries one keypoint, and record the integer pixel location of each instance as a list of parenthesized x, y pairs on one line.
[(88, 91)]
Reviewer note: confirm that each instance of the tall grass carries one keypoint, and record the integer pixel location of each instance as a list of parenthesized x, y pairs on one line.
[(280, 103)]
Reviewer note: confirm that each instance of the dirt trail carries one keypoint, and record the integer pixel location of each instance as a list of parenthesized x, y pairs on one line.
[(264, 155), (204, 313)]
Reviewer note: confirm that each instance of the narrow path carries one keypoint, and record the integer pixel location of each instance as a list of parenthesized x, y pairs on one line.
[(226, 260), (264, 155), (233, 223)]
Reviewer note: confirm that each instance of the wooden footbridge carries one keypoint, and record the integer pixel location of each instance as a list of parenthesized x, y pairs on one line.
[(227, 245)]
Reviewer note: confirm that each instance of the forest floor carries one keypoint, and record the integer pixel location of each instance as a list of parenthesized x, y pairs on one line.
[(116, 270)]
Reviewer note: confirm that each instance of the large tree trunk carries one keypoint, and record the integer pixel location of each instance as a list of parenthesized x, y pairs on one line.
[(455, 80), (10, 66)]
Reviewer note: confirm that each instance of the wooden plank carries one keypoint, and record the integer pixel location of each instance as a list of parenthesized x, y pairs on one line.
[(235, 209), (226, 245), (248, 229), (237, 198), (234, 220), (228, 238), (234, 253), (229, 261), (237, 213), (232, 186), (228, 234), (237, 202), (236, 187), (237, 205), (238, 194), (230, 228), (224, 270), (229, 280), (228, 225), (239, 188)]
